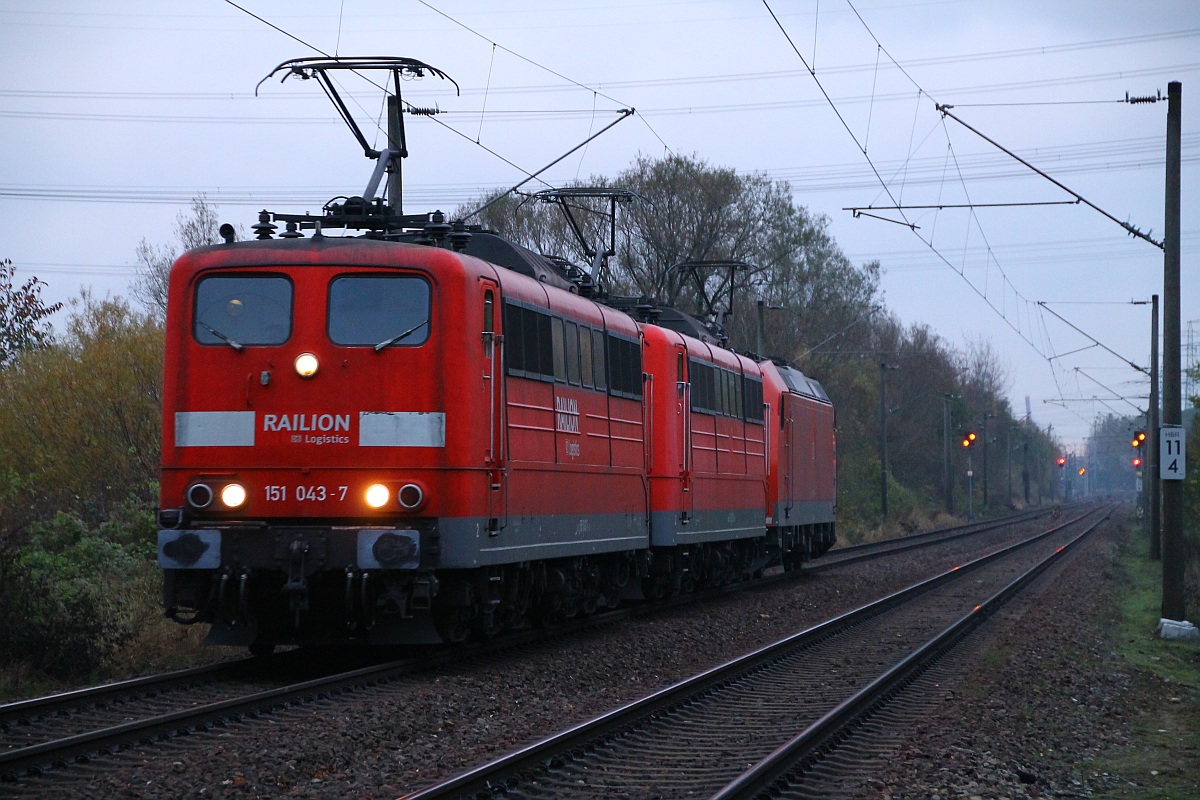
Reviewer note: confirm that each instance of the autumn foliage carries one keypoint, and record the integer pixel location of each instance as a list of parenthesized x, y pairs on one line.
[(79, 450)]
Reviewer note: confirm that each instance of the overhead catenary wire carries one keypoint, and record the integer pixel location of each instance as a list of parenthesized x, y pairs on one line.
[(596, 92), (877, 142), (886, 188), (1096, 341), (515, 54), (1024, 306), (832, 104)]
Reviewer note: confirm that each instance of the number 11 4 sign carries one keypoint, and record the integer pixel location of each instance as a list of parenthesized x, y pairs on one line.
[(1172, 454)]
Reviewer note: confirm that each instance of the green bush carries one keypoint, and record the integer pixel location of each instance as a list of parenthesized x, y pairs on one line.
[(80, 420), (72, 596)]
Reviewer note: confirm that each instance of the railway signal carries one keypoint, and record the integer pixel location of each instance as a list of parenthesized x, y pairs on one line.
[(1062, 462), (969, 439), (1138, 438), (1137, 462)]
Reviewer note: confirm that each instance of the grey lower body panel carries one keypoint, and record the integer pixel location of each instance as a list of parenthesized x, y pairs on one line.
[(811, 512), (672, 528), (467, 543)]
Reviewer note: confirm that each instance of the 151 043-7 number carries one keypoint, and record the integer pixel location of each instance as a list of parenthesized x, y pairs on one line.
[(278, 494)]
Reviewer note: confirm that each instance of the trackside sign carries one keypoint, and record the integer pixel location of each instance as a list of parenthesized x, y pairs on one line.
[(1172, 453)]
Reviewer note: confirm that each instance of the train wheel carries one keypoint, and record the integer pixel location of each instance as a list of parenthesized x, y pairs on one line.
[(589, 588), (654, 587), (261, 648), (454, 609), (454, 625)]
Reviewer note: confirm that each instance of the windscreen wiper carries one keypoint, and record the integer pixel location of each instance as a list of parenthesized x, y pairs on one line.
[(398, 337), (235, 345)]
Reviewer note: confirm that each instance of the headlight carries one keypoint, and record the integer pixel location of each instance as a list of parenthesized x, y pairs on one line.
[(199, 495), (233, 495), (306, 365), (377, 495), (411, 496)]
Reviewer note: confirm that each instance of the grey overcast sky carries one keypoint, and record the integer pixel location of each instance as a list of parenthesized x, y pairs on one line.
[(115, 114)]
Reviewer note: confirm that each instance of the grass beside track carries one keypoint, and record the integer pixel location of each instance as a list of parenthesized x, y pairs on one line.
[(160, 646), (1164, 761)]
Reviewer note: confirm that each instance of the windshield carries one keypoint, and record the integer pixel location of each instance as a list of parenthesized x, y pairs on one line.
[(379, 310), (243, 310), (800, 383)]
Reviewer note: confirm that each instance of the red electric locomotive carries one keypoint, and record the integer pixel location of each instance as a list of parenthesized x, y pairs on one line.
[(427, 432), (709, 462), (802, 485)]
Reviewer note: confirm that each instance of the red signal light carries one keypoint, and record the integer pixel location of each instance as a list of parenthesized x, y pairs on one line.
[(1062, 462), (1137, 462)]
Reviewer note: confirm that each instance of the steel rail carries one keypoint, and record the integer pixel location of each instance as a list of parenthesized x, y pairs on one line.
[(492, 776), (12, 713), (826, 734), (36, 758), (869, 550)]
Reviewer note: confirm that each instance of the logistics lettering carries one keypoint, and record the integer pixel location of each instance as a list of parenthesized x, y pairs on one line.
[(322, 439)]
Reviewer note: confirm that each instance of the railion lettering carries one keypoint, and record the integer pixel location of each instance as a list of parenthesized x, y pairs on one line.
[(566, 416), (323, 423)]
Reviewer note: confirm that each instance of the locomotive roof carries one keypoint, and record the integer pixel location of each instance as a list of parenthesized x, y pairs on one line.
[(484, 246), (497, 250), (800, 383)]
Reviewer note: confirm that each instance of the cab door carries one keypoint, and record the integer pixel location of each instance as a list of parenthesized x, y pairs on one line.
[(492, 365), (786, 459), (683, 398)]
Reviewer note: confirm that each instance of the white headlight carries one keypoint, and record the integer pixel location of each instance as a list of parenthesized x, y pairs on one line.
[(306, 365), (233, 495), (377, 495)]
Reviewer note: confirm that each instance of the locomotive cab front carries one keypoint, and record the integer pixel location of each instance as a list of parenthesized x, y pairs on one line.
[(306, 459)]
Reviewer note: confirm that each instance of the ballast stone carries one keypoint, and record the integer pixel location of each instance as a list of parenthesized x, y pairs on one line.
[(1177, 629)]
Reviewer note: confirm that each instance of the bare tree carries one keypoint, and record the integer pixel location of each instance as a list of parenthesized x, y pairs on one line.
[(23, 314), (688, 210), (195, 228), (983, 371)]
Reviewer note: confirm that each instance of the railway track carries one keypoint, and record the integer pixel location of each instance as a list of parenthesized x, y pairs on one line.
[(869, 550), (731, 732), (42, 734)]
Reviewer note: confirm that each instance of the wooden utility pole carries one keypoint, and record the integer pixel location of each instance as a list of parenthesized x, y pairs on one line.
[(947, 475), (883, 448), (1008, 501), (1173, 553), (986, 417)]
